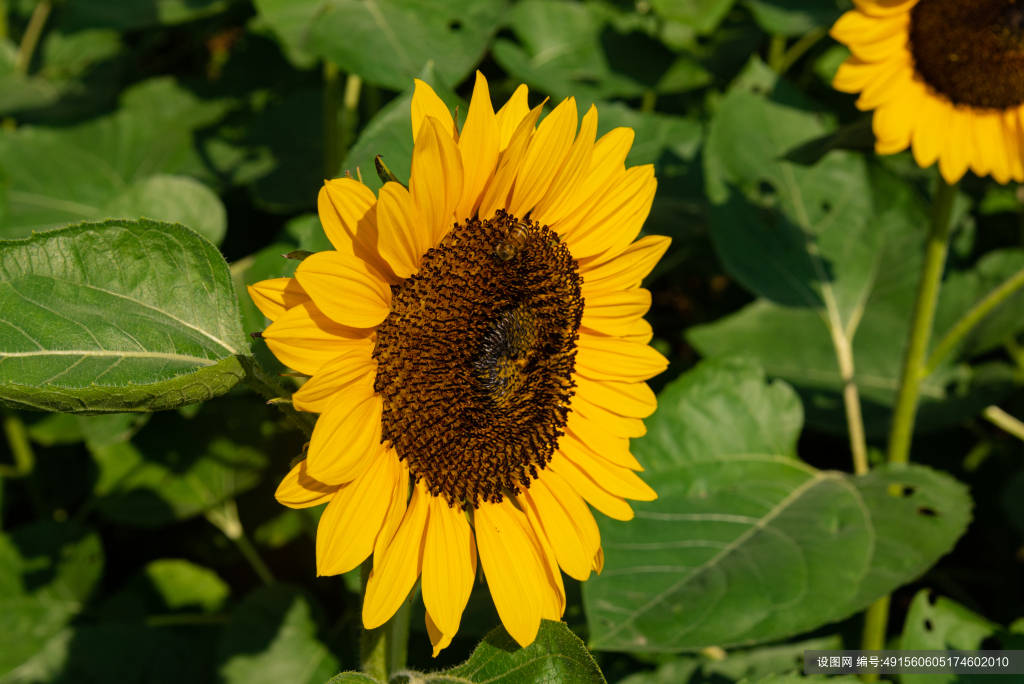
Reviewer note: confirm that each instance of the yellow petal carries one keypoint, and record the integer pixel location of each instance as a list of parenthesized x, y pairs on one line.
[(857, 27), (585, 485), (885, 8), (425, 102), (615, 424), (855, 74), (991, 146), (551, 591), (345, 288), (613, 313), (571, 551), (349, 525), (299, 490), (606, 167), (608, 358), (394, 575), (560, 196), (396, 509), (575, 507), (354, 365), (512, 567), (614, 221), (545, 155), (496, 193), (632, 399), (347, 213), (585, 437), (479, 145), (1015, 144), (888, 84), (958, 148), (511, 115), (305, 339), (436, 180), (346, 437), (930, 130), (615, 479), (275, 296), (403, 235), (625, 270), (449, 566)]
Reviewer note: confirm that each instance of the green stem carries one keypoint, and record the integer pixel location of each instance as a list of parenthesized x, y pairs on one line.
[(649, 101), (21, 448), (349, 116), (332, 100), (3, 20), (971, 319), (1005, 421), (798, 49), (31, 37), (776, 51), (225, 518), (383, 650), (922, 319)]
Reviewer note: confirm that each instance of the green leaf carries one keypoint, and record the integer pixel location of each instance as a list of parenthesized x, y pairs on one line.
[(47, 572), (387, 43), (796, 678), (272, 638), (592, 61), (105, 164), (159, 477), (939, 623), (557, 655), (353, 678), (182, 584), (763, 418), (758, 548), (792, 17), (175, 199), (127, 15), (116, 316), (702, 16)]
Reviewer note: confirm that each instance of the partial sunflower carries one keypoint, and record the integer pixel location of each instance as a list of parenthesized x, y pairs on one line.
[(943, 76), (478, 339)]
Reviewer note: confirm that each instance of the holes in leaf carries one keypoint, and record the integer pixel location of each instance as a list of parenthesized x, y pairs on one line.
[(928, 625), (931, 597), (454, 25), (906, 490), (927, 512), (826, 207)]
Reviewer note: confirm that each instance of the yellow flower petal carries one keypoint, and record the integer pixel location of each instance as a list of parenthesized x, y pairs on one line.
[(346, 437), (345, 288), (615, 479), (403, 239), (561, 195), (614, 220), (496, 194), (425, 102), (585, 437), (545, 155), (512, 567), (632, 399), (352, 520), (606, 167), (615, 424), (305, 339), (396, 510), (511, 115), (436, 180), (625, 270), (354, 365), (394, 575), (346, 209), (608, 358), (597, 496), (613, 313), (299, 490), (275, 296), (958, 148), (479, 145), (449, 566), (570, 547)]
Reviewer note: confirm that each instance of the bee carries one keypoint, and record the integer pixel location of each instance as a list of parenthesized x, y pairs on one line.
[(508, 248)]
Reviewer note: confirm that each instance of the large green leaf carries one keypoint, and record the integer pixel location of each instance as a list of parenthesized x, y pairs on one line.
[(272, 638), (47, 572), (556, 655), (793, 17), (387, 42), (745, 544), (105, 167), (116, 316), (135, 14)]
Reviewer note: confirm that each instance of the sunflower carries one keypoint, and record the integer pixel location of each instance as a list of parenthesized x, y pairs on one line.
[(478, 355), (944, 76)]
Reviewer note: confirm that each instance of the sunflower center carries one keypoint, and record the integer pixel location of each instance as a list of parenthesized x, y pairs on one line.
[(475, 360), (971, 51)]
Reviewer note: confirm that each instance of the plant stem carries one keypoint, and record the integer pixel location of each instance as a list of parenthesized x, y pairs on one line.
[(1005, 421), (971, 319), (225, 518), (936, 248), (851, 401), (876, 617), (348, 119), (798, 49), (383, 650), (21, 448), (3, 20), (776, 50), (31, 37)]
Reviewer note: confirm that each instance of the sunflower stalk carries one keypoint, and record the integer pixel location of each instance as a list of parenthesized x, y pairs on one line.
[(876, 618), (30, 39), (1004, 421), (383, 650), (225, 518), (21, 448)]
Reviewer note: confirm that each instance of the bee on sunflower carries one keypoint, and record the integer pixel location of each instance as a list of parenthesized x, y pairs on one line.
[(478, 356), (944, 77)]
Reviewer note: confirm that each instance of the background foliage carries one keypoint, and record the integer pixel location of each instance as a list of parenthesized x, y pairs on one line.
[(182, 143)]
